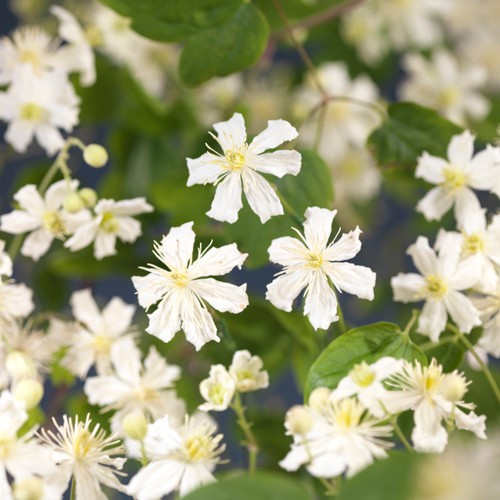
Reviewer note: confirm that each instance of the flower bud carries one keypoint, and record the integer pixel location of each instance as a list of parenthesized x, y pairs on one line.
[(29, 488), (135, 425), (298, 420), (73, 203), (30, 391), (95, 155), (88, 196), (453, 387), (19, 365), (318, 398)]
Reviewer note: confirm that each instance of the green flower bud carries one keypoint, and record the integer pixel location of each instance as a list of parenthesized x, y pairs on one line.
[(73, 203), (135, 425), (95, 155), (89, 197), (30, 391)]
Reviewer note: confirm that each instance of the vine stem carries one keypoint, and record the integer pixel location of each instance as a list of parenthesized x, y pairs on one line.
[(414, 315), (340, 314), (246, 426), (73, 489), (401, 436)]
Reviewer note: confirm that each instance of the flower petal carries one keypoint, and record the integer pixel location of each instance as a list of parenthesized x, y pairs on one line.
[(435, 203), (221, 296), (285, 288), (320, 304), (198, 324), (287, 251), (407, 287), (432, 320), (461, 149), (461, 310), (350, 278), (165, 322), (218, 261), (204, 169), (278, 163), (466, 203), (346, 248), (18, 222), (232, 133), (430, 168), (423, 256), (318, 227), (261, 197), (227, 201), (276, 133), (37, 244), (176, 248)]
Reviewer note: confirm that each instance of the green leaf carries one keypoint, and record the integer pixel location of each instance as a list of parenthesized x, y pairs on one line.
[(271, 486), (230, 47), (313, 186), (173, 20), (407, 132), (366, 343)]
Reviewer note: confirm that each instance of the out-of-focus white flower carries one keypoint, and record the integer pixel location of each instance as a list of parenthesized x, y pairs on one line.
[(183, 288), (312, 263), (43, 217), (366, 382), (96, 333), (426, 391), (247, 372), (38, 106), (113, 220), (136, 387), (19, 456), (442, 83), (88, 455), (5, 261), (440, 284), (46, 487), (343, 438), (456, 176), (28, 45), (240, 166), (217, 390), (78, 54), (180, 460), (345, 124), (488, 306), (16, 300)]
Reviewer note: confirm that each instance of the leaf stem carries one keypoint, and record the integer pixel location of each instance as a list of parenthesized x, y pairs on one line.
[(250, 442), (414, 315)]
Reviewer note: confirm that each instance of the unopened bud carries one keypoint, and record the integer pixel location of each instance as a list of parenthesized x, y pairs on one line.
[(453, 387), (29, 488), (73, 203), (318, 398), (19, 365), (88, 196), (135, 425), (95, 155), (30, 391), (299, 420)]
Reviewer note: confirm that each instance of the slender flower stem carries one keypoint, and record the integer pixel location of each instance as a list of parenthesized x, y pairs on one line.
[(414, 315), (331, 486), (401, 436), (246, 426), (144, 457), (72, 495), (340, 314)]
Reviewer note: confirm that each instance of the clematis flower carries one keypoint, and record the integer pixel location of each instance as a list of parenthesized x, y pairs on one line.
[(247, 372), (5, 261), (311, 263), (240, 166), (217, 390), (183, 288), (113, 220), (456, 176), (488, 305), (16, 300), (440, 284)]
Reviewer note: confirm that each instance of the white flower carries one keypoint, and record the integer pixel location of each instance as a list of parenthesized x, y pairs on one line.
[(19, 456), (366, 382), (37, 106), (87, 455), (426, 390), (5, 261), (312, 263), (16, 300), (180, 460), (445, 85), (440, 283), (456, 176), (183, 288), (28, 45), (96, 334), (78, 54), (113, 220), (241, 165), (136, 387), (488, 306), (217, 390), (247, 372), (343, 438), (346, 124)]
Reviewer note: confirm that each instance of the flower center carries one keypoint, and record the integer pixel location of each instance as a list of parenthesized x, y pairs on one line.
[(6, 445), (473, 243), (348, 414), (29, 56), (31, 112), (146, 394), (198, 447), (93, 35), (436, 286), (53, 223), (362, 375), (339, 111), (82, 443), (102, 344), (235, 160), (30, 488), (109, 223), (216, 393), (180, 278), (448, 96), (314, 260), (454, 179)]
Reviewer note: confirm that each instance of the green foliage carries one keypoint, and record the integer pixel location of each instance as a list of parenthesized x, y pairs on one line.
[(408, 131), (366, 343), (266, 485)]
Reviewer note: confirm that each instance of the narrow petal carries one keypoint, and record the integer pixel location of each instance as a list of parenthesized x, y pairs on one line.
[(461, 310), (465, 204), (135, 206), (165, 322), (423, 256), (37, 244), (276, 133), (19, 135), (197, 324), (232, 133), (204, 170), (176, 249), (29, 199), (407, 287), (117, 315), (150, 288), (287, 251), (195, 475), (85, 310), (278, 163), (227, 201), (318, 227), (461, 149), (218, 261), (428, 435), (471, 422), (430, 168), (346, 248), (221, 296), (435, 203), (285, 288), (320, 304), (104, 245), (353, 279), (18, 222), (49, 138), (156, 479), (432, 320), (126, 359), (129, 229), (467, 273), (261, 197), (105, 389), (83, 236)]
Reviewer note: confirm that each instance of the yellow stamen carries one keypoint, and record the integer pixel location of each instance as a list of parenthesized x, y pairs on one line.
[(362, 374), (473, 243), (454, 179), (436, 286), (102, 344), (109, 223), (198, 447), (53, 223), (314, 260), (235, 160), (31, 112)]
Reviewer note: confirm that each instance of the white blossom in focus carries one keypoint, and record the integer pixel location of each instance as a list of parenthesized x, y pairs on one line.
[(314, 264), (42, 217), (441, 284), (455, 178), (113, 219), (217, 390), (37, 106), (180, 460), (448, 86), (247, 372), (182, 287), (240, 166)]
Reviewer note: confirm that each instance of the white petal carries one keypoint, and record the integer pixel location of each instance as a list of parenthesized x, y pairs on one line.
[(195, 475), (467, 273), (232, 133), (165, 322), (484, 172), (198, 324), (431, 168), (466, 203), (105, 389), (318, 227), (287, 251), (221, 296), (285, 288), (320, 304), (407, 287), (49, 138), (85, 310), (432, 320), (278, 163), (104, 245), (157, 372), (150, 288), (117, 315), (461, 149), (156, 479), (428, 435), (177, 246), (350, 278), (29, 199), (423, 256), (435, 203), (261, 197), (471, 422), (218, 261), (204, 170), (18, 222), (461, 310), (276, 133), (227, 201), (129, 229), (37, 244), (346, 248), (83, 236), (135, 206), (126, 359), (54, 197), (19, 135)]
